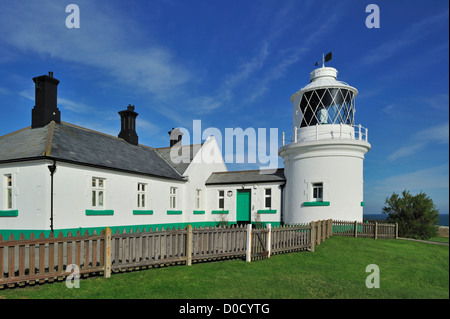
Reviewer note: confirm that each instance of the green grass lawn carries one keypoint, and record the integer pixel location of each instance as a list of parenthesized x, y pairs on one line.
[(335, 270)]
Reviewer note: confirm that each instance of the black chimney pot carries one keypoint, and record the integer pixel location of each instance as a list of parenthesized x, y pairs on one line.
[(128, 125), (45, 109), (175, 136)]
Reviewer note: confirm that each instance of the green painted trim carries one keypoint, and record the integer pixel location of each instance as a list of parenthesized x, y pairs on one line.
[(199, 212), (267, 211), (142, 212), (9, 213), (92, 212), (27, 232), (219, 212), (273, 224), (316, 204), (174, 212), (363, 204)]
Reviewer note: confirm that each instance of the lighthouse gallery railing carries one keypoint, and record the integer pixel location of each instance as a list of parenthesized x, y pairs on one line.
[(359, 133)]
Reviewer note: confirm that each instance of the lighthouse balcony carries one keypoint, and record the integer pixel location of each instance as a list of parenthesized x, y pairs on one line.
[(325, 132)]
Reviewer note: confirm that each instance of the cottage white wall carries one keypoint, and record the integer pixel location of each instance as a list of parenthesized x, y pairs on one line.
[(31, 184), (207, 160), (72, 197), (257, 201)]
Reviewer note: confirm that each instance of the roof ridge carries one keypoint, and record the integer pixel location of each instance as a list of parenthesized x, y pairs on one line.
[(48, 141), (101, 133), (244, 171), (173, 168), (15, 132)]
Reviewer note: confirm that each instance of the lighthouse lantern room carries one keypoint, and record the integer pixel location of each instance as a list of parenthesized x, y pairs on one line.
[(323, 154)]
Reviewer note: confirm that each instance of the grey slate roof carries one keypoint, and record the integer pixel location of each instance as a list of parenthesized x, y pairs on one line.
[(186, 154), (70, 143), (242, 177)]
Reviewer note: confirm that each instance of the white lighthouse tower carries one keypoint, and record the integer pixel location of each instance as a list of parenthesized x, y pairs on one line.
[(324, 153)]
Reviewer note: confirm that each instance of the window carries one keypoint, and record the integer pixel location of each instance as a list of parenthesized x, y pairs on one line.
[(173, 197), (141, 192), (268, 198), (98, 192), (221, 199), (317, 192), (8, 191), (198, 198)]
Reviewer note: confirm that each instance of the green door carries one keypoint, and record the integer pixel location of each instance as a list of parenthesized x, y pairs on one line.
[(243, 206)]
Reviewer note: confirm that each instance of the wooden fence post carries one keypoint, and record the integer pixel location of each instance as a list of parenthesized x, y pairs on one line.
[(189, 245), (376, 230), (248, 256), (313, 235), (330, 228), (356, 229), (269, 239), (319, 234), (396, 230), (107, 259)]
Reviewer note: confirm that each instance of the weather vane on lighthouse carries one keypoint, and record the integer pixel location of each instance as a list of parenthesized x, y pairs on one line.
[(325, 58)]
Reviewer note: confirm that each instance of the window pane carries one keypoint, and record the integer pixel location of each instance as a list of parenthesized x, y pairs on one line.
[(100, 182), (100, 198), (221, 193), (93, 182), (9, 201), (93, 198), (268, 202), (221, 203), (268, 191), (143, 200)]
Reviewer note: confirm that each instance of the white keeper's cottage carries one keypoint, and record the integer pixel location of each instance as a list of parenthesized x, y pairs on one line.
[(57, 176)]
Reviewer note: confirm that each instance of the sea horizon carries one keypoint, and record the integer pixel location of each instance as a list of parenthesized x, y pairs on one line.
[(443, 218)]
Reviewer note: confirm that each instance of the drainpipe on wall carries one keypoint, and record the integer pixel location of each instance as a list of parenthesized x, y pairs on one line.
[(282, 204), (52, 169)]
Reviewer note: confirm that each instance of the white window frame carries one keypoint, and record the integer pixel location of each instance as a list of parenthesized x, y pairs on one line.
[(221, 196), (8, 185), (98, 191), (142, 198), (198, 199), (316, 191), (173, 197), (267, 196)]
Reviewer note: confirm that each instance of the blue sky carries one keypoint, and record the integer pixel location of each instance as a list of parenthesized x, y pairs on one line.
[(235, 64)]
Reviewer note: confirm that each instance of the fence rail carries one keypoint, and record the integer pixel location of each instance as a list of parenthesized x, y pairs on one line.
[(366, 229), (40, 259), (47, 259)]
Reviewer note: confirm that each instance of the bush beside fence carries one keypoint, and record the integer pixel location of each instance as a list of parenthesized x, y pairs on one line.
[(37, 260)]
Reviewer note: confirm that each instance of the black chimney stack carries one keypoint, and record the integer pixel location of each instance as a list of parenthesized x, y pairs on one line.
[(175, 136), (128, 125), (45, 109)]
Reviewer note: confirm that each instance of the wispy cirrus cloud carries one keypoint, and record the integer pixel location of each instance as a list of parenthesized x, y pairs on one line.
[(106, 41), (420, 139), (413, 34)]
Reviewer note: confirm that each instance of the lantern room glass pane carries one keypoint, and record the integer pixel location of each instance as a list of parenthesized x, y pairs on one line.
[(327, 106)]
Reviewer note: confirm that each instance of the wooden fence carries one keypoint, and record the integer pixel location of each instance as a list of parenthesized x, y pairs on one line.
[(368, 229), (46, 259), (37, 260)]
